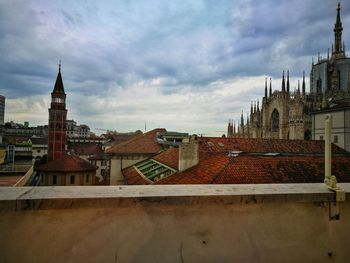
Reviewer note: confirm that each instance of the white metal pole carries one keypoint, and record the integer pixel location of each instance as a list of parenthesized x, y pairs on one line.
[(328, 147)]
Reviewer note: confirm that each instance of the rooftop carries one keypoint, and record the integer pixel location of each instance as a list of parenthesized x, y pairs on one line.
[(142, 144), (67, 163), (244, 161)]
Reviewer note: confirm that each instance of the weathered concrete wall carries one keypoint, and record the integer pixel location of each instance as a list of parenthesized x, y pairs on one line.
[(190, 224)]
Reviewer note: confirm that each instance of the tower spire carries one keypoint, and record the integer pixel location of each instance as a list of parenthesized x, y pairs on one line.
[(58, 88), (270, 88), (338, 28), (288, 81), (303, 85), (283, 83), (265, 87)]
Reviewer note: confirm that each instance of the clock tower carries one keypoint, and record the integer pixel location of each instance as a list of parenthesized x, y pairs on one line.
[(57, 120)]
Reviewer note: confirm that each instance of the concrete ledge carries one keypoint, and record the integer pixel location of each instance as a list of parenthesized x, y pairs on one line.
[(66, 197)]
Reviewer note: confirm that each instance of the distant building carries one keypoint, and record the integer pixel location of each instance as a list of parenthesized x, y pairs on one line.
[(39, 147), (57, 120), (2, 116), (285, 114), (2, 110), (341, 124), (67, 170), (77, 131), (103, 162)]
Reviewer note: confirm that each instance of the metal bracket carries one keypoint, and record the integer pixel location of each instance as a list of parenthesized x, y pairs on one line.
[(331, 183), (340, 196)]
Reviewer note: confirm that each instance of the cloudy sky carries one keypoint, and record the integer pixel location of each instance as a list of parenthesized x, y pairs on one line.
[(184, 65)]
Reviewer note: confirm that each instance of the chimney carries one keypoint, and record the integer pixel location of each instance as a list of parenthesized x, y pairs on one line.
[(188, 153)]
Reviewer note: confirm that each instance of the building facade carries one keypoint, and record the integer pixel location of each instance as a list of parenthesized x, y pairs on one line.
[(340, 124), (57, 120), (287, 115)]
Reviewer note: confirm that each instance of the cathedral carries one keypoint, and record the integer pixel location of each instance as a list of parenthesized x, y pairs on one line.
[(287, 115)]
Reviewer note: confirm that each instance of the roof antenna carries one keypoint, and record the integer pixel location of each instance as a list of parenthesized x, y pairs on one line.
[(145, 126)]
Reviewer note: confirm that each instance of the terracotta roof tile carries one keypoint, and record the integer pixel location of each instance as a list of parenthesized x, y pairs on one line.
[(67, 163), (169, 157), (261, 169), (132, 177), (301, 162), (144, 143), (210, 144)]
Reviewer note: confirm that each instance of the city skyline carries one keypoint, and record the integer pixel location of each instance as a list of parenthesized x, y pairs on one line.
[(184, 67)]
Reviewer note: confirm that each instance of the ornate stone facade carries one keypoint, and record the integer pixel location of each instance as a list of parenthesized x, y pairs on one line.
[(287, 115)]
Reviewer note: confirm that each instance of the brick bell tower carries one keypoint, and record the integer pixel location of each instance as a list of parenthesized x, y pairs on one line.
[(57, 120)]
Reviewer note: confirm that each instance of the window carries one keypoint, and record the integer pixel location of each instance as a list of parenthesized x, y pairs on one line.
[(335, 139), (38, 151), (54, 179), (87, 178), (275, 121), (321, 137), (72, 179)]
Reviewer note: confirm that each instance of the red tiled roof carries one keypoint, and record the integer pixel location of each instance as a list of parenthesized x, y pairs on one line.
[(301, 162), (67, 163), (224, 145), (132, 177), (169, 157), (144, 143), (261, 170)]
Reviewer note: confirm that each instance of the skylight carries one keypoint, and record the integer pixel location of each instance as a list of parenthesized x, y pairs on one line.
[(154, 170)]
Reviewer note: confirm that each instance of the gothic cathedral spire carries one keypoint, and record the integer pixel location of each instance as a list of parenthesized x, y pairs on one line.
[(303, 85), (338, 28), (283, 83), (288, 81)]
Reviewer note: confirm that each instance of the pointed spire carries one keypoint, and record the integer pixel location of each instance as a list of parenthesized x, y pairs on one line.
[(58, 88), (242, 119), (338, 28), (283, 83), (251, 108), (288, 81), (234, 127), (257, 107), (270, 88), (254, 107), (328, 54), (298, 90), (303, 85), (313, 57), (265, 87)]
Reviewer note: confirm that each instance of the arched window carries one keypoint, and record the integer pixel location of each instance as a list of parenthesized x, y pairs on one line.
[(307, 135), (275, 121)]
